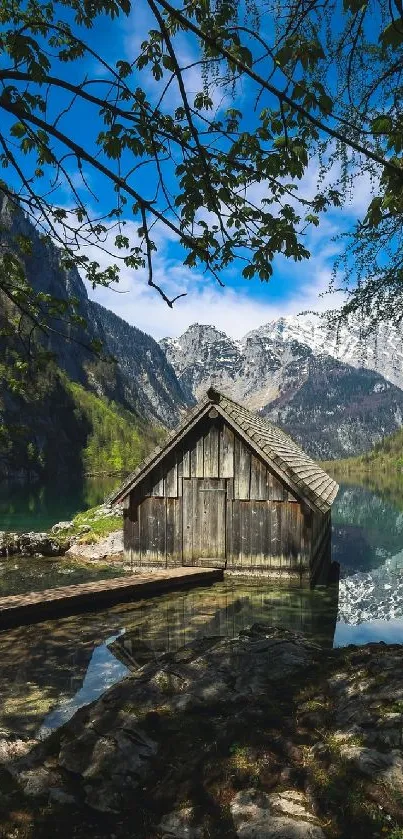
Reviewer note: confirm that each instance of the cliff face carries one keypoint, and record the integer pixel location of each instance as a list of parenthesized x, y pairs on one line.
[(51, 429), (140, 377), (147, 380), (337, 410)]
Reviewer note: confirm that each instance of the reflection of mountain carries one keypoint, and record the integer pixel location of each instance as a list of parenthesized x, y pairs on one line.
[(226, 610), (373, 595), (366, 529)]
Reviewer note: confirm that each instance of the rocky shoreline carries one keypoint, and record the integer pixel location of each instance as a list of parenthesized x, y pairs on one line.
[(266, 736), (66, 538)]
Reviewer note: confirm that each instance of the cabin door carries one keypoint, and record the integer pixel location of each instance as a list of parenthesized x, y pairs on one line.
[(204, 506)]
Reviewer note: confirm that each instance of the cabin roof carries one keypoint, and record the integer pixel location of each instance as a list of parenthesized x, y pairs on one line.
[(303, 475)]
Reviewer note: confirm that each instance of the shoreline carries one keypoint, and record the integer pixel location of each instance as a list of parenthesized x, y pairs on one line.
[(265, 736)]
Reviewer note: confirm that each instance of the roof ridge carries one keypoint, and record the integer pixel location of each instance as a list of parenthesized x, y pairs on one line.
[(280, 452), (262, 419)]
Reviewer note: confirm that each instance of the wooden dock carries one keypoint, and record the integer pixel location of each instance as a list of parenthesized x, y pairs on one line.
[(70, 600)]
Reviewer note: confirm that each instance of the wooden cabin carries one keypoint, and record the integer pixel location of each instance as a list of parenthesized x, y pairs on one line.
[(228, 489)]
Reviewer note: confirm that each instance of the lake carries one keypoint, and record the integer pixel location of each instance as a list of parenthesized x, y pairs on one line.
[(36, 506), (49, 670)]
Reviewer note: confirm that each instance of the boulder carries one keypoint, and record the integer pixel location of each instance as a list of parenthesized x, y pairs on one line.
[(31, 544), (182, 824), (110, 755), (61, 525), (284, 815), (110, 546)]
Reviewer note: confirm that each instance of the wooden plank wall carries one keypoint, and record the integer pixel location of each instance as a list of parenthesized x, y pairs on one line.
[(266, 526), (267, 534), (215, 452)]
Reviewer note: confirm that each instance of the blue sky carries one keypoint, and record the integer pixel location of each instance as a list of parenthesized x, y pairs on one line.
[(242, 304)]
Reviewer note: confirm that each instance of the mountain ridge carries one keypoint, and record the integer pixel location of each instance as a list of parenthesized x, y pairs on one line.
[(336, 394), (309, 392), (380, 351), (148, 385)]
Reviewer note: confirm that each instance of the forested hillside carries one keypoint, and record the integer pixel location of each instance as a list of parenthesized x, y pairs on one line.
[(385, 456), (117, 440), (58, 429), (71, 410)]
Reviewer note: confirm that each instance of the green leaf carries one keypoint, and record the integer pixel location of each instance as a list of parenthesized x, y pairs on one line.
[(354, 6), (124, 69), (325, 103), (392, 36), (18, 130), (382, 125)]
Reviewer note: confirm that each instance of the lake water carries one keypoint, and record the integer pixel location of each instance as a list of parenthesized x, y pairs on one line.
[(37, 506), (49, 670)]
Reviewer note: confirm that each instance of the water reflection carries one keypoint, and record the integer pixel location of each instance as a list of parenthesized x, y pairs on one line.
[(367, 528), (51, 669), (22, 574), (103, 671), (37, 506)]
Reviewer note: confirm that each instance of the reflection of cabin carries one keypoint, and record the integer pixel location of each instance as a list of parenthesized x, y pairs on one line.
[(225, 610), (228, 489)]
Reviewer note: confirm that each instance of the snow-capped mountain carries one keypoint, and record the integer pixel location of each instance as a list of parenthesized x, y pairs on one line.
[(335, 393), (381, 351)]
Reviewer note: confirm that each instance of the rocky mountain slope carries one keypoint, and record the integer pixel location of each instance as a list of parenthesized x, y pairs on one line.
[(140, 379), (148, 381), (381, 351), (334, 408), (338, 410)]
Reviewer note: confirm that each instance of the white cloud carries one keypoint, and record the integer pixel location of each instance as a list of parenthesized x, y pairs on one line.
[(234, 312), (231, 310)]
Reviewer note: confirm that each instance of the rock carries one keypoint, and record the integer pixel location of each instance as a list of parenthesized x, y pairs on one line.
[(106, 510), (285, 815), (11, 750), (8, 543), (39, 543), (31, 544), (110, 546), (37, 782), (182, 824), (61, 525), (219, 715), (58, 796), (291, 803), (380, 767), (111, 755)]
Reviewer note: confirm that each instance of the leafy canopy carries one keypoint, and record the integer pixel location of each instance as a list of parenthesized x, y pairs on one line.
[(281, 85)]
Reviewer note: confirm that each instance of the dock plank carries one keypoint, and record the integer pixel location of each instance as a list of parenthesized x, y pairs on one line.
[(69, 600)]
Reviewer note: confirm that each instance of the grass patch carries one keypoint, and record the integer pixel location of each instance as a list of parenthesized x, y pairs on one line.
[(92, 525)]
